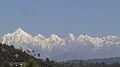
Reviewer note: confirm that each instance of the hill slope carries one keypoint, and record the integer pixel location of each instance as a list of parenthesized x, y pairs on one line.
[(11, 57)]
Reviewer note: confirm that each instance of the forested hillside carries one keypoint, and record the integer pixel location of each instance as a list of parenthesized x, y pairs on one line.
[(11, 57)]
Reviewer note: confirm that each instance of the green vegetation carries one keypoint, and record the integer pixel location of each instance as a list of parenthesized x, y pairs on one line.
[(11, 57)]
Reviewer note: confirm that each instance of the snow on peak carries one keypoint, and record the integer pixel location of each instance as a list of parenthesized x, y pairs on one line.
[(58, 45), (71, 37), (18, 36), (55, 38), (96, 41), (19, 31), (21, 35), (40, 39), (112, 40), (40, 36)]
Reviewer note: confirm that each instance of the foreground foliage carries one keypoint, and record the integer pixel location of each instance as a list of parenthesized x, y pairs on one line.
[(11, 57)]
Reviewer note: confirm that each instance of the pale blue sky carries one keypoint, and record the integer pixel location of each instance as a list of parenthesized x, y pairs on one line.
[(93, 17)]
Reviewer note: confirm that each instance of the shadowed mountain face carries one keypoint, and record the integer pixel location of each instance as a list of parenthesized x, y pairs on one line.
[(61, 49)]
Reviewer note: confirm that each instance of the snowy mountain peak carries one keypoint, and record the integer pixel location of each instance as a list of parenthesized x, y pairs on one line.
[(71, 37), (111, 40), (19, 30), (17, 37), (39, 38), (96, 41), (54, 46), (55, 38), (40, 35)]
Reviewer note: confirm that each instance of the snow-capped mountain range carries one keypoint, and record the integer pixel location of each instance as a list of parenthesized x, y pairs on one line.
[(61, 49)]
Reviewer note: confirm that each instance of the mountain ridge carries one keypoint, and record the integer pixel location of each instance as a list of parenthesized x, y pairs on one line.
[(54, 45)]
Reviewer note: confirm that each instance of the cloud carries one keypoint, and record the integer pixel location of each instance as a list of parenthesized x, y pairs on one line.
[(29, 12)]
